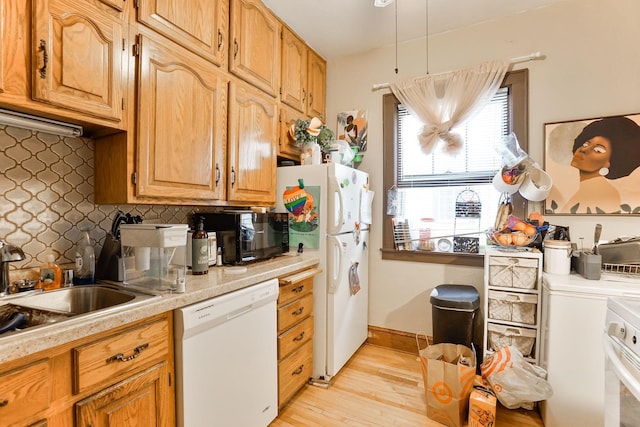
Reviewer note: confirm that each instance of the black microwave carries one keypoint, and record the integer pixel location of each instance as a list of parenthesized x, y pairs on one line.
[(246, 236)]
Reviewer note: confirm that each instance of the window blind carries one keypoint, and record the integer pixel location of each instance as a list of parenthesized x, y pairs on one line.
[(476, 164)]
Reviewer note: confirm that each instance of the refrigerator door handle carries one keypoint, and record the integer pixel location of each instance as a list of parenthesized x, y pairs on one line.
[(334, 189), (334, 264)]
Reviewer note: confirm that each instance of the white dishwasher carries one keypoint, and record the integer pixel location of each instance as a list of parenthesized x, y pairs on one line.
[(226, 359)]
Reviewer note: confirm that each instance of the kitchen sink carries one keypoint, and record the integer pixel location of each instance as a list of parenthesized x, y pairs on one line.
[(44, 308)]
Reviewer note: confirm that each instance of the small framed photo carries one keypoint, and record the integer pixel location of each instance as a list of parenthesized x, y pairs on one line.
[(595, 166), (352, 127)]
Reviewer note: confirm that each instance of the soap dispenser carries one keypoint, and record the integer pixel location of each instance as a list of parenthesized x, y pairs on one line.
[(50, 274)]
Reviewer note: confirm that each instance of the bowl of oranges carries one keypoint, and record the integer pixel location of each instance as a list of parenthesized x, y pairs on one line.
[(516, 233)]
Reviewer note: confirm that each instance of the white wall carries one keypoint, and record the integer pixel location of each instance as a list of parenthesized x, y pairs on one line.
[(592, 68)]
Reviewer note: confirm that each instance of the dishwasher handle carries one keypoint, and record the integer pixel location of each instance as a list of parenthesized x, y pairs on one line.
[(239, 312)]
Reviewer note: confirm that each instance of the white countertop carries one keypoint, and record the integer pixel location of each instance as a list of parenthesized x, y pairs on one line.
[(609, 284), (220, 280)]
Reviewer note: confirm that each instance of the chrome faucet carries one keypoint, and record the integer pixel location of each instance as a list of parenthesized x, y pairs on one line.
[(8, 253)]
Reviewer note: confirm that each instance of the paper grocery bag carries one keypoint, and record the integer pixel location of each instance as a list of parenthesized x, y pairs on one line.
[(448, 371)]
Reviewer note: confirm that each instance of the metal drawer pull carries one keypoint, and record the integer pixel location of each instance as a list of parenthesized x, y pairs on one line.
[(219, 40), (298, 371), (298, 311), (299, 337), (4, 402), (45, 59), (298, 289), (120, 357)]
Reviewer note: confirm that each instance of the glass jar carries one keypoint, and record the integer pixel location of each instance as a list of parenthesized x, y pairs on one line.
[(426, 244)]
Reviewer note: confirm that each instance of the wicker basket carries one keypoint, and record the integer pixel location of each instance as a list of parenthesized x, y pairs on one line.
[(513, 307), (510, 272), (521, 338)]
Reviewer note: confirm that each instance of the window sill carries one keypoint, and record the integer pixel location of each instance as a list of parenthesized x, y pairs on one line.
[(471, 260)]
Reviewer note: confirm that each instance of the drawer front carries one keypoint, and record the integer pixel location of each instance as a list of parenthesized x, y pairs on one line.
[(294, 372), (293, 338), (296, 285), (295, 311), (295, 290), (24, 391), (104, 360)]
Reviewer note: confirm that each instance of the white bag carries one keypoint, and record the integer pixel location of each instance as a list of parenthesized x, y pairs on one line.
[(516, 382)]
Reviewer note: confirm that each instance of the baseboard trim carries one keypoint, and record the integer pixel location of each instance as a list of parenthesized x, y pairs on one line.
[(396, 340)]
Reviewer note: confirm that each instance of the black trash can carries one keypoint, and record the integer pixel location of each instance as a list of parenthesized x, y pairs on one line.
[(456, 316)]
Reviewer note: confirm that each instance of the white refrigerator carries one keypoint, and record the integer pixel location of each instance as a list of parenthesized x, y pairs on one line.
[(329, 209)]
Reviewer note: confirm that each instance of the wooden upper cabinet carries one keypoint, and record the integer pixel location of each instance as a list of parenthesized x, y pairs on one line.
[(182, 124), (116, 4), (201, 26), (317, 82), (286, 146), (293, 86), (253, 121), (255, 45), (77, 57)]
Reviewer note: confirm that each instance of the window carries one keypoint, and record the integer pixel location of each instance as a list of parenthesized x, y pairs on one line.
[(429, 186)]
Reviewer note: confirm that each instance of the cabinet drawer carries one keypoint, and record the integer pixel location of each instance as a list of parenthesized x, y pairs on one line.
[(296, 285), (24, 391), (295, 337), (294, 312), (294, 372), (106, 359)]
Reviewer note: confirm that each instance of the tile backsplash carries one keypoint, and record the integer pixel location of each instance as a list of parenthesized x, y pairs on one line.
[(46, 196)]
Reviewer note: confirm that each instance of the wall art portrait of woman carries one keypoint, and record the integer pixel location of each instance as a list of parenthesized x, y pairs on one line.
[(595, 166)]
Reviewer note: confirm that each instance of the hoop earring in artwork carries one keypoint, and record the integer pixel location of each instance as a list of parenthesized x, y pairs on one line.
[(603, 171)]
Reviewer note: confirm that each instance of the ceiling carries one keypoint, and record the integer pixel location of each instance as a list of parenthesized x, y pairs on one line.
[(335, 28)]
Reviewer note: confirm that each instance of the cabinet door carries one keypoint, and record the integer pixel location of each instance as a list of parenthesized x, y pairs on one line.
[(286, 146), (77, 57), (116, 4), (201, 26), (316, 103), (182, 114), (293, 86), (252, 148), (143, 400), (24, 392), (255, 51)]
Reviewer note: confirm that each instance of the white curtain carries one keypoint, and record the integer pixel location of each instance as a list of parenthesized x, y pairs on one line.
[(444, 101)]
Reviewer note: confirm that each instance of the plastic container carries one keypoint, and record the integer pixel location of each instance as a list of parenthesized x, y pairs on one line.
[(557, 256), (148, 254), (85, 260)]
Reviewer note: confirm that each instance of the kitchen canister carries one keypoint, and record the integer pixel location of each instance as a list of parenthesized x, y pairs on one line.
[(557, 256)]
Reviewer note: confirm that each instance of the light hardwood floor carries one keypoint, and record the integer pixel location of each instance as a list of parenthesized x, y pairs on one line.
[(377, 387)]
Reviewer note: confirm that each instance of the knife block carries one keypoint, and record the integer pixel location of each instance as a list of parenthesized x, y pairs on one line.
[(589, 265)]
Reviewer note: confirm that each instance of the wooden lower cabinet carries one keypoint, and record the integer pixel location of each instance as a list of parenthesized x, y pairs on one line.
[(139, 400), (133, 384), (25, 390), (295, 333)]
